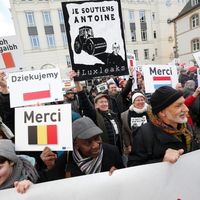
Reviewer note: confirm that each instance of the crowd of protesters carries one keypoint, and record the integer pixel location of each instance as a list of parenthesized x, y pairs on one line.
[(117, 128)]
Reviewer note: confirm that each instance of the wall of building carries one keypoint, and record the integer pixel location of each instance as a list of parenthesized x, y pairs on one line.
[(36, 58)]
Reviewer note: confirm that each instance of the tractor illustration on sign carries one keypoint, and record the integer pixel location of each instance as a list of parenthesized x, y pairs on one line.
[(87, 42)]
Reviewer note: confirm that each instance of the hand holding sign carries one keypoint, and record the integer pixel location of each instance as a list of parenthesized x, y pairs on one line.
[(48, 157), (3, 83)]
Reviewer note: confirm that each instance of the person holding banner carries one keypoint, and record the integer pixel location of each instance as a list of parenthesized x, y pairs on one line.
[(15, 171), (167, 136), (89, 156)]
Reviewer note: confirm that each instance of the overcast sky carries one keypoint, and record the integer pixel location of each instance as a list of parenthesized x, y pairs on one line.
[(7, 27)]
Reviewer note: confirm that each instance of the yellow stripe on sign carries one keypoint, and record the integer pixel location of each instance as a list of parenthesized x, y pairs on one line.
[(42, 134)]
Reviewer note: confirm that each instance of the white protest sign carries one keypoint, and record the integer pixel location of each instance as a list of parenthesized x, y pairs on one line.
[(110, 81), (198, 76), (160, 181), (197, 57), (68, 84), (156, 76), (11, 58), (40, 126), (132, 63), (32, 87), (102, 87)]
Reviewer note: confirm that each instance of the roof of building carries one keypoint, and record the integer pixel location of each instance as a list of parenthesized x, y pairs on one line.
[(188, 8)]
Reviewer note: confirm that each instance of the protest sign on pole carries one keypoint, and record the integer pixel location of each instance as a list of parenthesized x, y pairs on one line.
[(32, 87), (40, 126), (95, 37)]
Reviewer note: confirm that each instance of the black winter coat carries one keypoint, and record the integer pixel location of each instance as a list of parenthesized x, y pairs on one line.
[(111, 157), (150, 144)]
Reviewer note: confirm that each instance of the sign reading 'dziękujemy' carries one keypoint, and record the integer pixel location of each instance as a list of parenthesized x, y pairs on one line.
[(32, 87)]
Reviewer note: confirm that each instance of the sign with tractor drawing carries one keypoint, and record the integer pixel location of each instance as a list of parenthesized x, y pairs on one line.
[(95, 37)]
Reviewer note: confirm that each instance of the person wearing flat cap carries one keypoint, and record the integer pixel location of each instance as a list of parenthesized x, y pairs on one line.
[(89, 155), (102, 115), (167, 135)]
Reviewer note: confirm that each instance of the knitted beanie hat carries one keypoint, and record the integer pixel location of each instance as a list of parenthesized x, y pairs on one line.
[(7, 150), (164, 97), (137, 94)]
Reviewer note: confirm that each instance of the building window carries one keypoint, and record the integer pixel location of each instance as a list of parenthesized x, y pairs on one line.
[(142, 16), (64, 37), (194, 2), (154, 35), (144, 35), (35, 41), (146, 54), (133, 35), (46, 18), (30, 18), (195, 45), (50, 40), (136, 54), (195, 21), (131, 16), (61, 17)]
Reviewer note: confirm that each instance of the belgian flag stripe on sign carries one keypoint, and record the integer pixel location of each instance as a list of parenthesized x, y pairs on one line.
[(32, 134), (42, 134), (52, 134)]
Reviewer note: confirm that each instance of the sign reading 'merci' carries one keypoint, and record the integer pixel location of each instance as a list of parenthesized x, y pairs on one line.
[(40, 126), (156, 76), (32, 87)]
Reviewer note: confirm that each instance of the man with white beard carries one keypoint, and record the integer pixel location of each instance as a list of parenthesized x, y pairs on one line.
[(167, 135)]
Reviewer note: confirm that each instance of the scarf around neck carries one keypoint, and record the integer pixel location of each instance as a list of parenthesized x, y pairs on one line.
[(182, 131), (88, 165), (138, 110), (22, 170)]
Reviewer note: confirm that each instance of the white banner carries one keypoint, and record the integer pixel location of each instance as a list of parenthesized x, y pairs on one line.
[(156, 76), (32, 87), (40, 126), (160, 181)]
